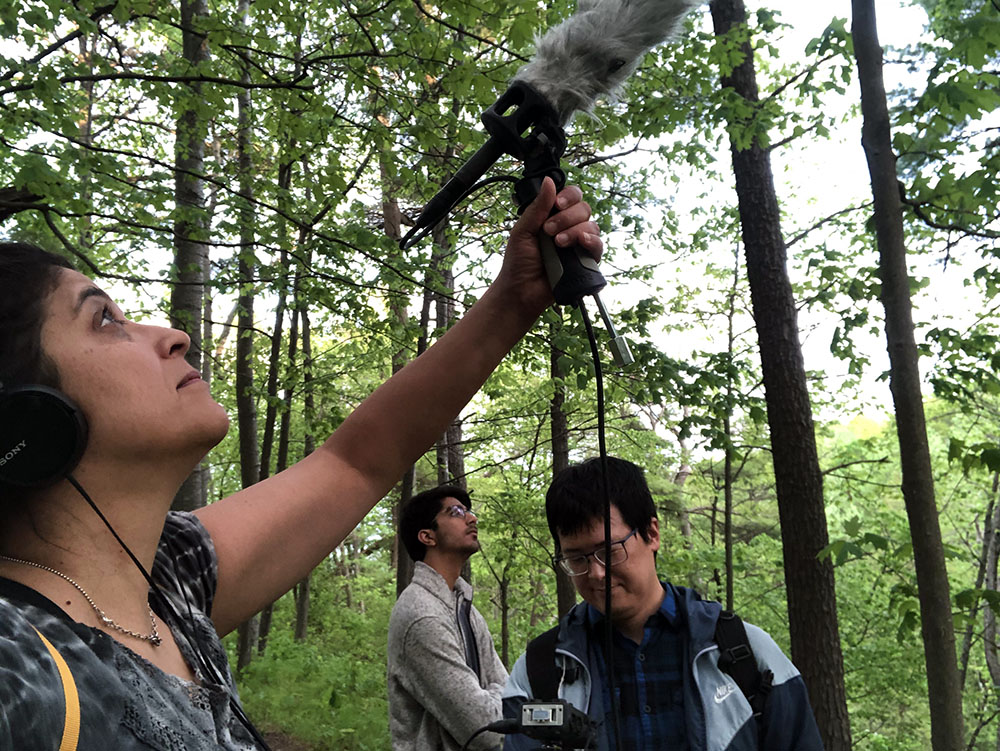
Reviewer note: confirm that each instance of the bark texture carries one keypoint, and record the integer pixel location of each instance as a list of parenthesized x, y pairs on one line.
[(812, 605), (937, 626)]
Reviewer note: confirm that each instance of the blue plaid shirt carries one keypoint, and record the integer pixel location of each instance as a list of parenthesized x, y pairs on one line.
[(648, 681)]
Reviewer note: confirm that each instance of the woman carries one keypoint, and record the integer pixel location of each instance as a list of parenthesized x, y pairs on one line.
[(68, 590)]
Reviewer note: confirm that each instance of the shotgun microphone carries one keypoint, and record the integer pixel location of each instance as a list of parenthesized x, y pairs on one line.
[(589, 54)]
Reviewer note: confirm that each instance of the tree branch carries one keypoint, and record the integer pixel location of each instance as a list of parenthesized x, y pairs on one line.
[(469, 34), (103, 10), (167, 79), (883, 460), (825, 220), (918, 210)]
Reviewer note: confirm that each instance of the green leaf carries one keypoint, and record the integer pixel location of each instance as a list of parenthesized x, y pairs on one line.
[(853, 526)]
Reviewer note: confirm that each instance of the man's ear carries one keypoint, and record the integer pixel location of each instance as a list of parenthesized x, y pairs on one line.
[(426, 536), (653, 533)]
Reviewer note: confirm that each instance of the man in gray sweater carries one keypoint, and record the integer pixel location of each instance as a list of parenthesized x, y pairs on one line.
[(444, 675)]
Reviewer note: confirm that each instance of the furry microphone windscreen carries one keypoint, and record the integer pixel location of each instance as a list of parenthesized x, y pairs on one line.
[(593, 51)]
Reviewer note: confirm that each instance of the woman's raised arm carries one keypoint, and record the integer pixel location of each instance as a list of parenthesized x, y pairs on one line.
[(271, 535)]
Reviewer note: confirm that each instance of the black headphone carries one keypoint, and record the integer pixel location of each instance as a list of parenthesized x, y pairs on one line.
[(42, 436)]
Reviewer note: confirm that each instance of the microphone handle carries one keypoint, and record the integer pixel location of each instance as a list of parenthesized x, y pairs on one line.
[(573, 273)]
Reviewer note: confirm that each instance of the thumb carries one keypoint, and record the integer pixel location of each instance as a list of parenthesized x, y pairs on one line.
[(537, 212)]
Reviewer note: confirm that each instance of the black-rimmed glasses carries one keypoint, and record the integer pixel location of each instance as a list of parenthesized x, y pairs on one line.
[(578, 565)]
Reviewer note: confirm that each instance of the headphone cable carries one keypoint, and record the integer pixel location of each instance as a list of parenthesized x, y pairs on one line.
[(204, 662)]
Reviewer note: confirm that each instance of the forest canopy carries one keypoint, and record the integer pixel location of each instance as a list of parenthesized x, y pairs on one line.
[(246, 170)]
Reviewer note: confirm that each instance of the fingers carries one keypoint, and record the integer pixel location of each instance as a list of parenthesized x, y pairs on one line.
[(576, 214), (587, 235), (568, 196), (534, 216), (569, 225), (572, 225)]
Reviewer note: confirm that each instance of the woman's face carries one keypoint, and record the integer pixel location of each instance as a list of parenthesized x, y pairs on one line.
[(140, 396)]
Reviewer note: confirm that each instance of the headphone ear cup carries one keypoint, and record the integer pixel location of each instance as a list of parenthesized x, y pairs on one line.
[(42, 436)]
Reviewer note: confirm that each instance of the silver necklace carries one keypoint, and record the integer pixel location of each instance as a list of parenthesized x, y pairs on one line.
[(153, 637)]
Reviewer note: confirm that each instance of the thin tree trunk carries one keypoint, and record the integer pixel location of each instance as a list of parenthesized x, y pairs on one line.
[(989, 532), (392, 219), (201, 478), (727, 429), (270, 422), (933, 591), (87, 44), (449, 445), (246, 409), (991, 548), (303, 589), (812, 605), (505, 615), (191, 224)]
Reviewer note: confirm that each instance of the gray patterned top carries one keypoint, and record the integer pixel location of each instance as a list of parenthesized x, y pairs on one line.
[(126, 702)]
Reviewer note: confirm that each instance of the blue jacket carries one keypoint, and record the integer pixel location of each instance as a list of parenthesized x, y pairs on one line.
[(718, 715)]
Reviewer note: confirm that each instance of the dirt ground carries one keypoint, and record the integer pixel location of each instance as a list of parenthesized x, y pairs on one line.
[(282, 742)]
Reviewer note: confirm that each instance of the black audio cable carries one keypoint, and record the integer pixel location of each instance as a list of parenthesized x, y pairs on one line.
[(206, 665)]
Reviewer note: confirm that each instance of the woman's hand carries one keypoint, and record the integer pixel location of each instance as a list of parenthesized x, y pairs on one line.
[(523, 274)]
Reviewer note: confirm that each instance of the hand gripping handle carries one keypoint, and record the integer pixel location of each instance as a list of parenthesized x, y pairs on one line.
[(573, 274)]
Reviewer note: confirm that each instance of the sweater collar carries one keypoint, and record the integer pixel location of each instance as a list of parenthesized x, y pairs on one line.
[(434, 583)]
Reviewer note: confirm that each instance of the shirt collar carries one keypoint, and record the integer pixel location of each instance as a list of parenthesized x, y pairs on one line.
[(667, 610)]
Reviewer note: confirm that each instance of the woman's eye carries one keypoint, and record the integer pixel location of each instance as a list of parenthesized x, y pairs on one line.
[(108, 316)]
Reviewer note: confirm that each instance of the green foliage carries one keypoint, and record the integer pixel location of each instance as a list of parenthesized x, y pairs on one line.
[(327, 691), (356, 106)]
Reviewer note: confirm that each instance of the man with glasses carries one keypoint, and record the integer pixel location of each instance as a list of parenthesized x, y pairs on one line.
[(669, 691), (444, 675)]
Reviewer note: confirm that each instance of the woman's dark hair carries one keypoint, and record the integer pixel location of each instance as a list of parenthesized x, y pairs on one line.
[(28, 275), (420, 512), (576, 497)]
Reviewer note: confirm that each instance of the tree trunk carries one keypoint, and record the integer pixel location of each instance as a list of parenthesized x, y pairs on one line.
[(991, 548), (191, 222), (505, 616), (270, 422), (392, 224), (246, 409), (937, 626), (989, 532), (812, 606), (565, 591), (87, 44), (727, 429), (450, 460), (303, 590)]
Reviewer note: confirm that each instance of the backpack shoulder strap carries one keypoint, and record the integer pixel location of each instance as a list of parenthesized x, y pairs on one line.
[(71, 723), (540, 662), (736, 658)]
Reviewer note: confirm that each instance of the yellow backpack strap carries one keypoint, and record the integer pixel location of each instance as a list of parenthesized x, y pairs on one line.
[(71, 727)]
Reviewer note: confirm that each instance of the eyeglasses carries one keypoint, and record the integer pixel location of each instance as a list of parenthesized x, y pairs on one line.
[(578, 565), (457, 510)]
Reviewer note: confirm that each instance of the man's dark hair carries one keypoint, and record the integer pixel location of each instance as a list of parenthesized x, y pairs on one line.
[(576, 497), (420, 512), (28, 275)]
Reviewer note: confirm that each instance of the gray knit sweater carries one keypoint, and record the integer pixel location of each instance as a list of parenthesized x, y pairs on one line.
[(436, 702)]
